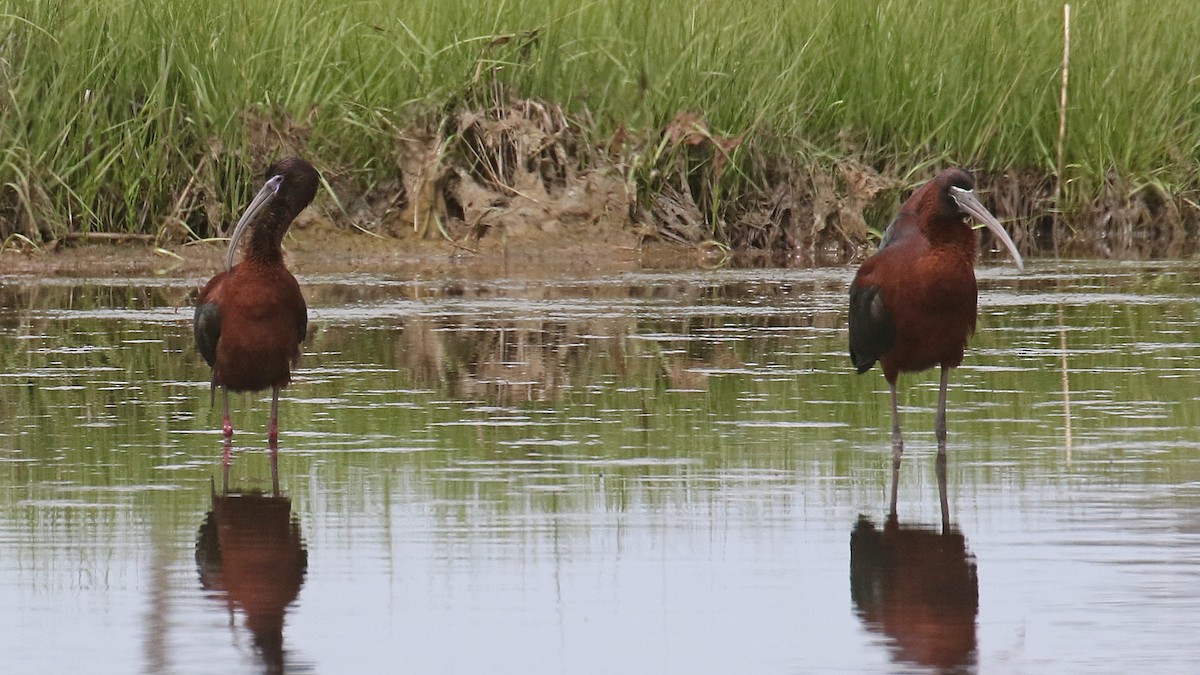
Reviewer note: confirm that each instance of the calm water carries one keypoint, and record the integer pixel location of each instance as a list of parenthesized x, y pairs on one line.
[(647, 473)]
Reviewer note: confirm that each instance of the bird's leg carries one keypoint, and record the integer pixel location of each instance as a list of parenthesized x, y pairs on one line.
[(273, 440), (940, 429), (273, 430), (226, 425), (273, 444), (940, 466), (897, 446), (226, 460)]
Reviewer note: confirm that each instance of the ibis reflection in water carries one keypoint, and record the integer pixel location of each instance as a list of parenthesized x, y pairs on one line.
[(913, 304), (919, 587), (251, 556), (251, 318)]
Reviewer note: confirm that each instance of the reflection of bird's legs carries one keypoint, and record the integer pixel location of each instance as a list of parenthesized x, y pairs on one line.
[(941, 414), (945, 501), (226, 425), (897, 445), (273, 430)]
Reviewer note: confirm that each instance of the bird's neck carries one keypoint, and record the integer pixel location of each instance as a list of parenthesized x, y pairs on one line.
[(266, 235), (265, 246), (956, 235)]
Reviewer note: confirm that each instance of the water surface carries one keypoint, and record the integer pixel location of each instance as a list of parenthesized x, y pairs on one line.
[(650, 472)]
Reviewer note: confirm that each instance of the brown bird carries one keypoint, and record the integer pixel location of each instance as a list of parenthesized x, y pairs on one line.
[(251, 318), (913, 304)]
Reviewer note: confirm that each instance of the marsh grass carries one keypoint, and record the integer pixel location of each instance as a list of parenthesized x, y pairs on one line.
[(129, 116)]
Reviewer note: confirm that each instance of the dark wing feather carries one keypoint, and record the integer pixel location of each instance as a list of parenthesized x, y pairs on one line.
[(207, 326), (872, 330), (302, 319)]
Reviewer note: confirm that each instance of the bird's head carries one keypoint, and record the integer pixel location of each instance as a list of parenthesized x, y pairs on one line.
[(291, 184), (957, 195)]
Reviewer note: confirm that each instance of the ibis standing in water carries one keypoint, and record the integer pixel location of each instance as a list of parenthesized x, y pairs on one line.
[(913, 304), (251, 318)]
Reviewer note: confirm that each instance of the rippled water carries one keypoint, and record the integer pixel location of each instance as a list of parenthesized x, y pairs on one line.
[(652, 472)]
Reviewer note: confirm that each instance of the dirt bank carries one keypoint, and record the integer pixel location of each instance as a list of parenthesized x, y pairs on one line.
[(316, 247)]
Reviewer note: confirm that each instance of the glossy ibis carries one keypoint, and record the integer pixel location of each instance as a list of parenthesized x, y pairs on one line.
[(251, 318), (913, 304)]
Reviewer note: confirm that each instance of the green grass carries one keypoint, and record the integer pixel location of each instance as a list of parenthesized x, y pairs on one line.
[(111, 109)]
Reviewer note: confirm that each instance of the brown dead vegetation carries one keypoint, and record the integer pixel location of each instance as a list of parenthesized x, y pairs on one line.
[(497, 175), (523, 171)]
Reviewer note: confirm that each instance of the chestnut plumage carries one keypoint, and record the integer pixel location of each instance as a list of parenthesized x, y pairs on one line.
[(913, 303), (251, 318)]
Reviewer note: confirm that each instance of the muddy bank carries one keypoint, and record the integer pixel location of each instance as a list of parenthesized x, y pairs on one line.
[(314, 246)]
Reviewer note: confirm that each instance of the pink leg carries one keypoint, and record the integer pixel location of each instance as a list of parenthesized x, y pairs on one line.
[(274, 446), (226, 460), (226, 425), (273, 430)]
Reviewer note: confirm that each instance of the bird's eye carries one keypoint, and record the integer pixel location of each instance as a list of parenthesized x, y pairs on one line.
[(959, 194)]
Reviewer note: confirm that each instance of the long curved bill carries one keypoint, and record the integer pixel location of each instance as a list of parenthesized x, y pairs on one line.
[(967, 201), (269, 189)]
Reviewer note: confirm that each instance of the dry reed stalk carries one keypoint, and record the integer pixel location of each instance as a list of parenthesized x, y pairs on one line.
[(1062, 120)]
